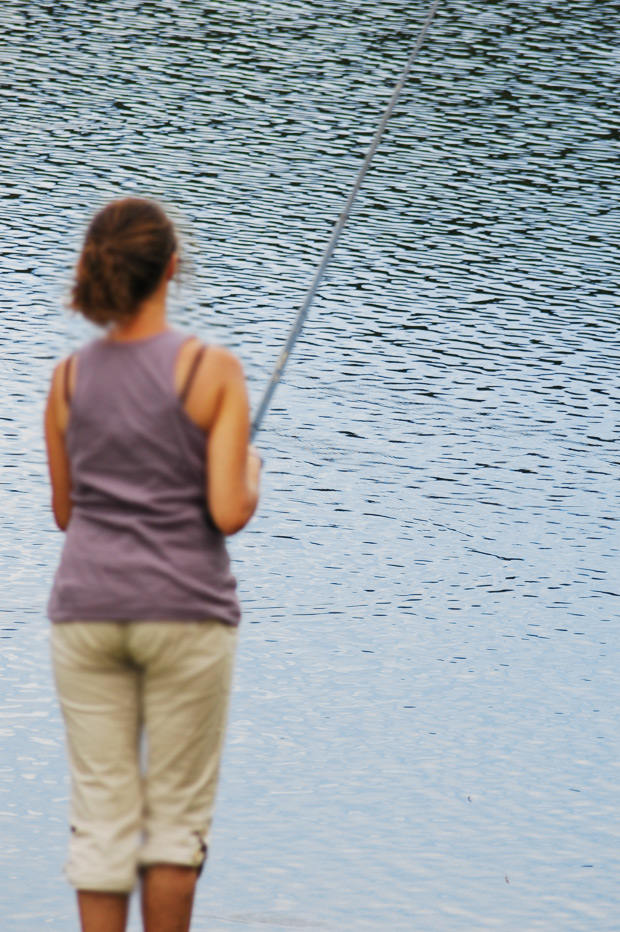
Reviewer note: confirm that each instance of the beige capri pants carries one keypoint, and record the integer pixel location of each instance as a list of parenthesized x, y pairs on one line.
[(117, 681)]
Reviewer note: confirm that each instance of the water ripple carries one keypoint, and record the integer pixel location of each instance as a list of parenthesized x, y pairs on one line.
[(424, 728)]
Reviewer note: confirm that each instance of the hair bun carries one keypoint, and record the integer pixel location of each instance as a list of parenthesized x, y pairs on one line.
[(126, 251)]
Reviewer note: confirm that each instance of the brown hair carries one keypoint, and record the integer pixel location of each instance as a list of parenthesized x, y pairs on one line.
[(126, 250)]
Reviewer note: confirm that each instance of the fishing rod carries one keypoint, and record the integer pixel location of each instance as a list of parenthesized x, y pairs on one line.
[(337, 230)]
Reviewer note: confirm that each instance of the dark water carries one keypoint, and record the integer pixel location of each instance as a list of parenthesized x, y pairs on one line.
[(424, 733)]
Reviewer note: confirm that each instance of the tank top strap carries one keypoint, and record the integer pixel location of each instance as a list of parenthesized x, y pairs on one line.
[(191, 375)]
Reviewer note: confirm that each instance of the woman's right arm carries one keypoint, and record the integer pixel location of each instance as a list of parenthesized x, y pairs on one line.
[(233, 467)]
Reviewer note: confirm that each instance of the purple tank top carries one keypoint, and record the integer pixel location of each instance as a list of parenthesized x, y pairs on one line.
[(140, 545)]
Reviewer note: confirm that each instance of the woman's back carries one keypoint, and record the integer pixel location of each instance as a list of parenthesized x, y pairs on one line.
[(139, 544)]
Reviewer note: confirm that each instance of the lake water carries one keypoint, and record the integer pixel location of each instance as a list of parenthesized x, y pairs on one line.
[(424, 733)]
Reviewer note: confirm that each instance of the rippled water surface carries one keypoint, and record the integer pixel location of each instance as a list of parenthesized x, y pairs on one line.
[(424, 734)]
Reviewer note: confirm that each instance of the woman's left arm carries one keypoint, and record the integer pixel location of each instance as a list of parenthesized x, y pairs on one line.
[(56, 419)]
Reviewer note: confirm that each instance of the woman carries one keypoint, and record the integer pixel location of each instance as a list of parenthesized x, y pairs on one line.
[(147, 437)]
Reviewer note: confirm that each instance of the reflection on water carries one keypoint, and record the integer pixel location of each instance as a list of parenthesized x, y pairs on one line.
[(424, 733)]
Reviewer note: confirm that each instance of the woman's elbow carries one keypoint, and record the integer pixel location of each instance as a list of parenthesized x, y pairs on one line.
[(231, 520), (62, 514), (229, 527)]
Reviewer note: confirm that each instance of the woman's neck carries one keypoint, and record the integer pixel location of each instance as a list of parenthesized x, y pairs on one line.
[(149, 320)]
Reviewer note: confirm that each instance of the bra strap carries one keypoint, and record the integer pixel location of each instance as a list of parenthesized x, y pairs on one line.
[(193, 369)]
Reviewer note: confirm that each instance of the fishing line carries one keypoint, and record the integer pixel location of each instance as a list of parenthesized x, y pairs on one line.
[(337, 230)]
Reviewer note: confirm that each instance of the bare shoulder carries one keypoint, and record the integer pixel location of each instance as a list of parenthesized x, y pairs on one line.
[(62, 383), (59, 374), (220, 374), (208, 376), (61, 388), (225, 364), (210, 363)]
